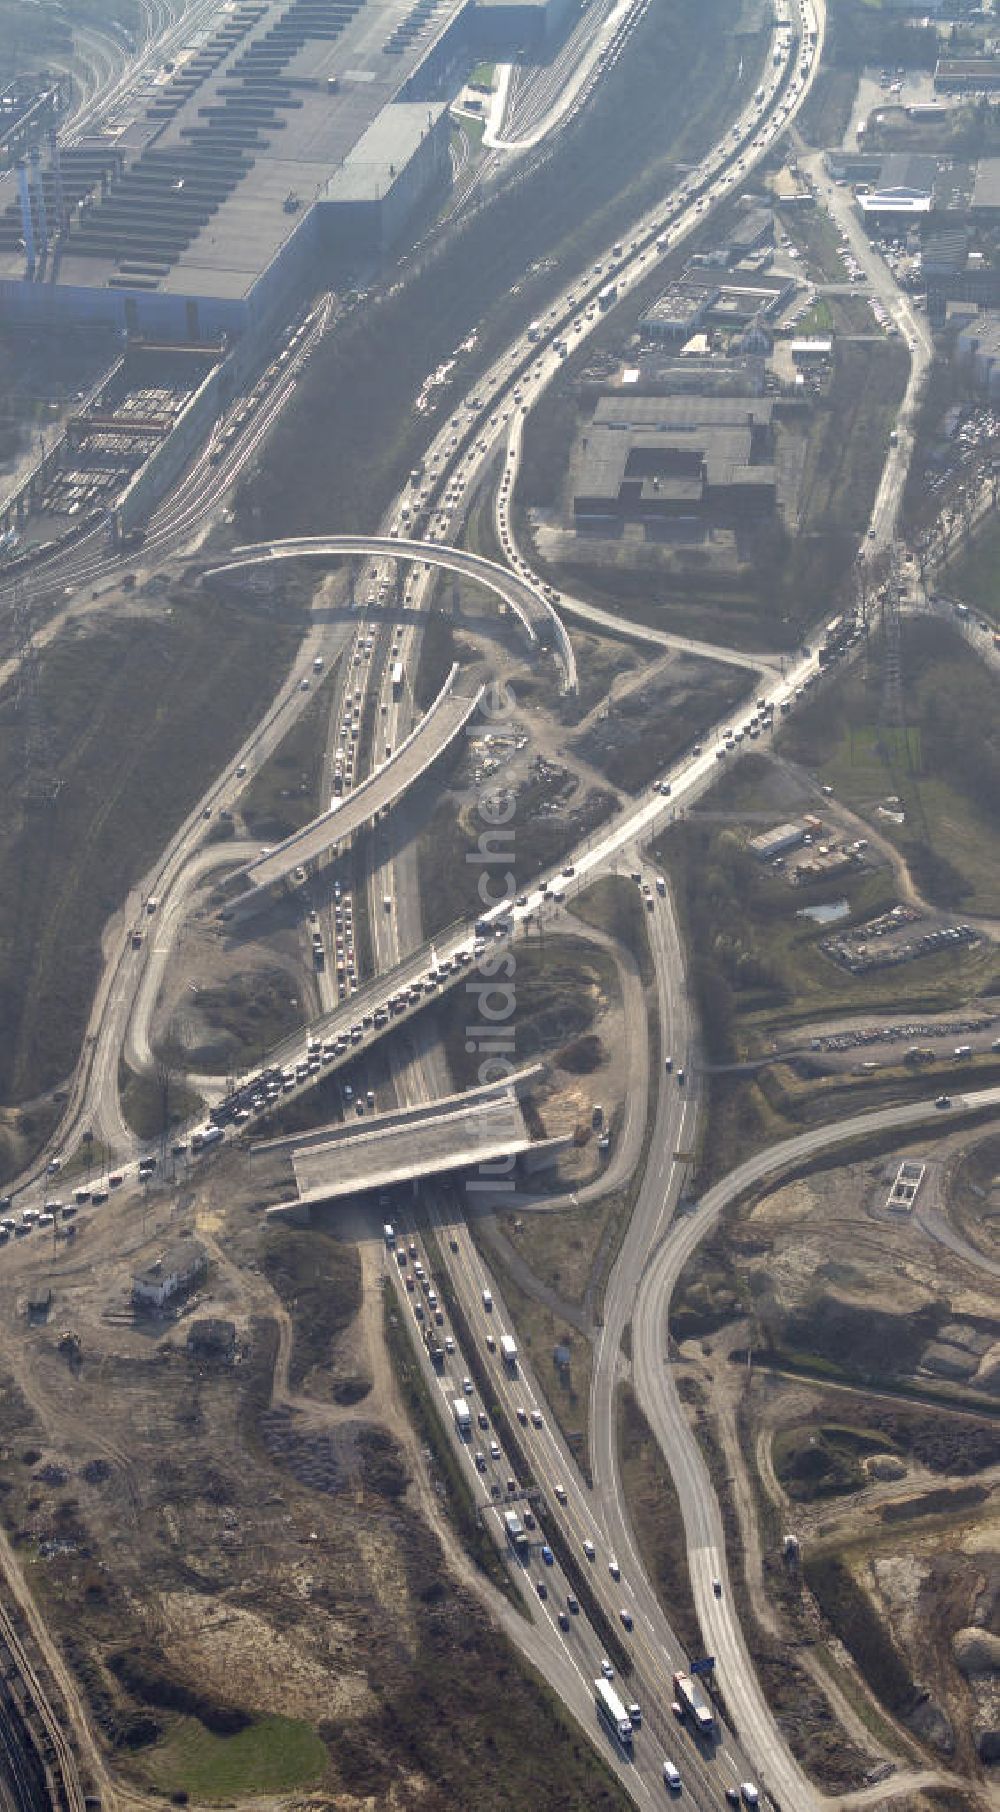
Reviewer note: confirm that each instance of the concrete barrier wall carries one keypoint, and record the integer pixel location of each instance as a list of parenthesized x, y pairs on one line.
[(143, 493)]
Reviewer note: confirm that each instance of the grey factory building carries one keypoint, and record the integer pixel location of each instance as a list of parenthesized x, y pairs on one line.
[(978, 351), (521, 27), (297, 124), (679, 311), (967, 75), (656, 458), (731, 298)]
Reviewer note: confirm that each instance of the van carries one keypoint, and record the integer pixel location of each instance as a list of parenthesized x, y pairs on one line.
[(671, 1777), (488, 1302)]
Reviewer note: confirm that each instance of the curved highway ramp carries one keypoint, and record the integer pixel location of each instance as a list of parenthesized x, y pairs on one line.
[(307, 847)]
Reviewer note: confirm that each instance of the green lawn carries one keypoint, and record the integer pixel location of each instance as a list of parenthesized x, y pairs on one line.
[(483, 76), (143, 1102), (818, 320), (941, 764), (975, 577), (272, 1755)]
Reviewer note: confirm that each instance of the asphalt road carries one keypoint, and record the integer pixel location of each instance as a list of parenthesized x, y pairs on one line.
[(915, 334), (602, 1512)]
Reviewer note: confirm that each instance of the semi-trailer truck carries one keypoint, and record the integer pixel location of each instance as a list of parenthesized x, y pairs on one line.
[(205, 1136), (463, 1417), (694, 1704), (508, 1351), (612, 1713)]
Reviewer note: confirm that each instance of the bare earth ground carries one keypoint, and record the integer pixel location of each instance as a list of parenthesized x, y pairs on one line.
[(903, 1489)]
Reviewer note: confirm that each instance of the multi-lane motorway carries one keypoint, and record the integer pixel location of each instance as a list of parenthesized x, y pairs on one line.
[(655, 1245)]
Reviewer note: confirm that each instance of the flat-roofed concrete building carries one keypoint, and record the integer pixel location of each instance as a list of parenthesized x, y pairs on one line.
[(527, 26), (679, 311), (978, 350), (294, 121), (986, 190), (656, 458), (967, 75)]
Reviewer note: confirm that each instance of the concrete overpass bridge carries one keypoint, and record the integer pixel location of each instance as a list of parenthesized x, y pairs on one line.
[(307, 847), (540, 621), (480, 1126)]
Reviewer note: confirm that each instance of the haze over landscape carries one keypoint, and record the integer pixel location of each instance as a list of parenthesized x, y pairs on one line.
[(499, 880)]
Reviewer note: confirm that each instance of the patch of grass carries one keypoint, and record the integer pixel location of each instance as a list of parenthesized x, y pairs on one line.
[(944, 1501), (540, 1330), (855, 1621), (640, 734), (975, 576), (613, 905), (137, 715), (818, 320), (318, 1278), (285, 792), (437, 655), (845, 447), (446, 851), (153, 1105), (425, 1413), (823, 1461), (249, 1014), (943, 764), (483, 76), (815, 235), (272, 1755), (599, 659), (557, 987), (655, 1513)]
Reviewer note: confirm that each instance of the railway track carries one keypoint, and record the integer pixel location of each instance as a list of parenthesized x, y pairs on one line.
[(37, 1755)]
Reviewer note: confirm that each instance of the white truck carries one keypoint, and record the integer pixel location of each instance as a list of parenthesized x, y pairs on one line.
[(613, 1714), (206, 1136), (515, 1531), (508, 1351), (463, 1417)]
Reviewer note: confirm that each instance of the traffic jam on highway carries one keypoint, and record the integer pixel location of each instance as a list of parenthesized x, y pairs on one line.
[(519, 1513), (463, 448)]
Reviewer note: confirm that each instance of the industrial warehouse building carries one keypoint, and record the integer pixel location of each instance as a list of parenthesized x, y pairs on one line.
[(298, 126), (663, 457), (978, 351), (967, 75)]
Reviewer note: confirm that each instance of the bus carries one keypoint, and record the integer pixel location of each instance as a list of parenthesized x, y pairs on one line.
[(612, 1713), (396, 678)]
